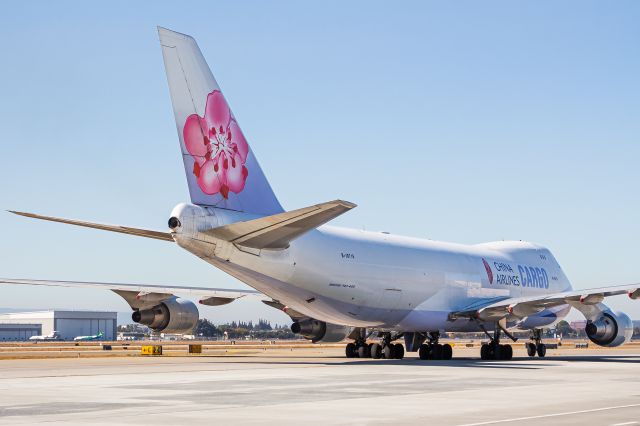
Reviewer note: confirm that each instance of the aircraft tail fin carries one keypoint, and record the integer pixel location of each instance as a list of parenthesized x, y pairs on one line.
[(221, 168)]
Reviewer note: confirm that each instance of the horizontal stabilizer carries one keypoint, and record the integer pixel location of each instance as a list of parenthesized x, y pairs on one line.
[(277, 231), (158, 235)]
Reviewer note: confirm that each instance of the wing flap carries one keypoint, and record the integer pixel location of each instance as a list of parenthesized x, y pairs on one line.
[(158, 235), (277, 231), (293, 314)]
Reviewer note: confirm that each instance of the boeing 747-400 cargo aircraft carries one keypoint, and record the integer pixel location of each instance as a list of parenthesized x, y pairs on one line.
[(337, 283)]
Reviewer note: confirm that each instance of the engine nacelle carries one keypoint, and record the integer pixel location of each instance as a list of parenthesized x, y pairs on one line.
[(610, 329), (174, 315), (320, 331)]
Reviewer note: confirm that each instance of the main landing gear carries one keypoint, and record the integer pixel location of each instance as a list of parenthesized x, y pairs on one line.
[(434, 350), (494, 350), (385, 349), (536, 347)]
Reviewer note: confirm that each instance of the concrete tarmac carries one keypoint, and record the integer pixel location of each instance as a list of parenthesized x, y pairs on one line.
[(319, 386)]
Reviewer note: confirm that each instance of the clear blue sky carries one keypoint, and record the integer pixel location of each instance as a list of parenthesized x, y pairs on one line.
[(460, 121)]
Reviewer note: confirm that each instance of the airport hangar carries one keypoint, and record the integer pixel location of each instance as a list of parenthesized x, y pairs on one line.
[(69, 324)]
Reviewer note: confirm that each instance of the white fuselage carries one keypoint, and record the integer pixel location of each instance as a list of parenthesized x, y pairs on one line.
[(79, 338), (378, 280), (52, 336)]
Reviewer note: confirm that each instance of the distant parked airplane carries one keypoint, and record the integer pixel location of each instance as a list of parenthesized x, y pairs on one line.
[(98, 336), (51, 336), (337, 283)]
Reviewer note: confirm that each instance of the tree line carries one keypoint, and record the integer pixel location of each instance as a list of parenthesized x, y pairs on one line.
[(241, 329)]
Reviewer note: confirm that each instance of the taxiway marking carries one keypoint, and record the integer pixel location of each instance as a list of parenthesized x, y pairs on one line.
[(567, 413)]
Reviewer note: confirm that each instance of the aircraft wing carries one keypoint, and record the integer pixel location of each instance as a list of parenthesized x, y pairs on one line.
[(142, 295), (493, 310)]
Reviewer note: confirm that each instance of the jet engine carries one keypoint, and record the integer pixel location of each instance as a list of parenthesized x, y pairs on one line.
[(610, 329), (320, 331), (173, 315)]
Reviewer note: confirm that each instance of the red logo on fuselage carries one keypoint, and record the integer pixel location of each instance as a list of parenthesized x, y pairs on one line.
[(489, 271)]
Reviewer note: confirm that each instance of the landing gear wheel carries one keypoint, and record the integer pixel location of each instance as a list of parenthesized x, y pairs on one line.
[(376, 351), (541, 349), (424, 352), (350, 350), (387, 352), (496, 350), (485, 351), (506, 352), (398, 351), (446, 352), (370, 350), (436, 351), (501, 352), (364, 352), (536, 346)]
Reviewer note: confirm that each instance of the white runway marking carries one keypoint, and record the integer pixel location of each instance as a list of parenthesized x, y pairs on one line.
[(544, 416), (625, 424)]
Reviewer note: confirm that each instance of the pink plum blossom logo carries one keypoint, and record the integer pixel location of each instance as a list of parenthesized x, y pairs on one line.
[(489, 271), (218, 148)]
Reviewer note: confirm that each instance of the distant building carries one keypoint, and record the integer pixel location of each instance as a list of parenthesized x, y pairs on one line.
[(68, 324), (17, 331)]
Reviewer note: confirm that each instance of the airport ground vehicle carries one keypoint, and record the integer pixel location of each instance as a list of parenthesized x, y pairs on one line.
[(337, 283)]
